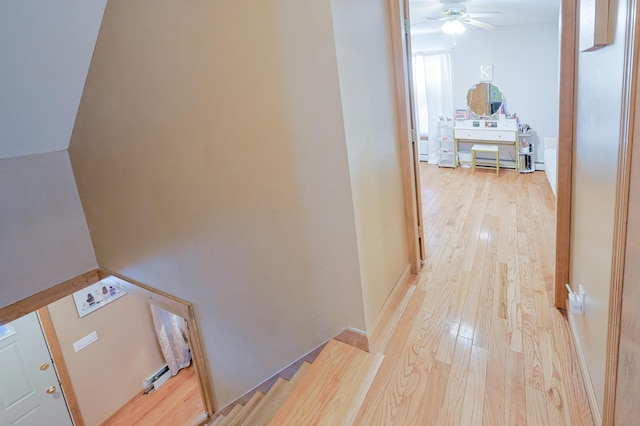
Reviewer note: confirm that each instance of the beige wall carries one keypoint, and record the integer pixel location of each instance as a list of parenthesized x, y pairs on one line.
[(599, 103), (363, 46), (210, 156), (44, 238), (107, 373)]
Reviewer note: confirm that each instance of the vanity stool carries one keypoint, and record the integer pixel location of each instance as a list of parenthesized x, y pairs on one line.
[(485, 148)]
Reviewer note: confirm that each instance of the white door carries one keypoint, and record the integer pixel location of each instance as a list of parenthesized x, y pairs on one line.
[(29, 387)]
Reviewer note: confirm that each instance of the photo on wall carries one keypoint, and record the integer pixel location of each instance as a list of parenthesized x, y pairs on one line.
[(96, 296)]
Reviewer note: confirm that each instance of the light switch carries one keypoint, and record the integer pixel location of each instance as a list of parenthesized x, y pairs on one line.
[(85, 341)]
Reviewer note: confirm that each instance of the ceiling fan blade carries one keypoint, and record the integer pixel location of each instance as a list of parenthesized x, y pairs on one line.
[(429, 20), (421, 30), (485, 15), (480, 24), (415, 24)]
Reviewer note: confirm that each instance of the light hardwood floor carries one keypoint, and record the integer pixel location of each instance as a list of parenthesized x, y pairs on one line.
[(176, 402), (475, 340)]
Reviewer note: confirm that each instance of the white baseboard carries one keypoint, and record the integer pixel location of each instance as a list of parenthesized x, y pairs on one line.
[(584, 369), (540, 166)]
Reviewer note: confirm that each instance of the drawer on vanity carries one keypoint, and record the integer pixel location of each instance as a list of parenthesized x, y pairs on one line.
[(469, 134), (498, 135)]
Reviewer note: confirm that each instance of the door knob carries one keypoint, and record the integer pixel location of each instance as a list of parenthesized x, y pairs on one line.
[(44, 366), (51, 389)]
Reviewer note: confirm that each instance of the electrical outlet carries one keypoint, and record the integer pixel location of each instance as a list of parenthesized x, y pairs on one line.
[(85, 341)]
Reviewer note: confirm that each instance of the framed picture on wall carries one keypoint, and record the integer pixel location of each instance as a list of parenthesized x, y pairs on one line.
[(96, 296), (486, 72), (595, 24)]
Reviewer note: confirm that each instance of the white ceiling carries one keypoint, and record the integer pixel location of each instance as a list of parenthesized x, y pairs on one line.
[(514, 12)]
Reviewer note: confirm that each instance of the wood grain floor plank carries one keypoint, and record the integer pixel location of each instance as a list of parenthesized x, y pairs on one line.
[(516, 413), (576, 403), (489, 279), (487, 282), (473, 404), (429, 410), (391, 397), (536, 407), (514, 307), (493, 412), (392, 354), (447, 342), (542, 308), (420, 381), (534, 370), (460, 287), (381, 336), (501, 303), (557, 403), (451, 409)]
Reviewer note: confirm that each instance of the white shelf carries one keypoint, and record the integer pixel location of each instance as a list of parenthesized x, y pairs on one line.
[(447, 145), (527, 165)]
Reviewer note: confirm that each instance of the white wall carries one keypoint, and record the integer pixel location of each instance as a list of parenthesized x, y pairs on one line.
[(363, 46), (210, 155), (598, 116), (46, 48), (44, 238), (525, 69)]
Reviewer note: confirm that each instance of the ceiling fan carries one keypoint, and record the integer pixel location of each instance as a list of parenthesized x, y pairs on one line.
[(455, 17)]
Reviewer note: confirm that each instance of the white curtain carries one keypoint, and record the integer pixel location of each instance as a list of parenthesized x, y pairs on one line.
[(173, 338), (433, 87)]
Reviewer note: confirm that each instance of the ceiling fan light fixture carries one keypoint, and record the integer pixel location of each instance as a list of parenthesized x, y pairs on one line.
[(453, 26)]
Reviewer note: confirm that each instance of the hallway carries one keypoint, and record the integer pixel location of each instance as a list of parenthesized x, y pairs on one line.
[(475, 339)]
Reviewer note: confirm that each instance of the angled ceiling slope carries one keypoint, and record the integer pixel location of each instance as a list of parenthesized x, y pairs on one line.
[(46, 47)]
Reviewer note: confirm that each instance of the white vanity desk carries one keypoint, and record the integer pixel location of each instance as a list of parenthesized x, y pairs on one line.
[(503, 131)]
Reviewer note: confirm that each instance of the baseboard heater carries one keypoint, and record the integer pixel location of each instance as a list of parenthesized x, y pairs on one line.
[(157, 379)]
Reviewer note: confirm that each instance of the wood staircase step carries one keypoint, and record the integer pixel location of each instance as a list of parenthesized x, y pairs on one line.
[(219, 421), (269, 405), (249, 407), (231, 417), (333, 389)]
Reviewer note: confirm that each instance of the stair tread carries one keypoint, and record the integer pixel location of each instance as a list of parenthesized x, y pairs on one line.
[(333, 389), (231, 417), (358, 398), (302, 370), (218, 421), (269, 405), (249, 407)]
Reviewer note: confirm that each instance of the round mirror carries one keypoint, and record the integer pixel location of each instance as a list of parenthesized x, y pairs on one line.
[(485, 100)]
